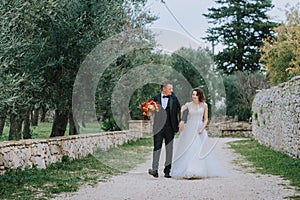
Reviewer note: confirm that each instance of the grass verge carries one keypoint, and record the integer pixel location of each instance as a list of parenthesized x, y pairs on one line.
[(268, 161), (69, 175), (43, 130)]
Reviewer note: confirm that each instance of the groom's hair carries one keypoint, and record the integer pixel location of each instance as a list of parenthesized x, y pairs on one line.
[(165, 84)]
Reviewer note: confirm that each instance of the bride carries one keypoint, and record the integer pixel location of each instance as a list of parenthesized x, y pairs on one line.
[(193, 156)]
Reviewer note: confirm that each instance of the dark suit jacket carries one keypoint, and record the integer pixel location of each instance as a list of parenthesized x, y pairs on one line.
[(160, 117)]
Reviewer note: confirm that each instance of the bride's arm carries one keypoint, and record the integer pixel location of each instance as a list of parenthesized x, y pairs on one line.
[(183, 113), (183, 117), (205, 119)]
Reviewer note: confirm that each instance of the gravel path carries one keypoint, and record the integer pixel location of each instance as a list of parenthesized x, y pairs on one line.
[(240, 184)]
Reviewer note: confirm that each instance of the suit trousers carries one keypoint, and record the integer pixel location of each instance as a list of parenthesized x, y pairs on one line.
[(166, 134)]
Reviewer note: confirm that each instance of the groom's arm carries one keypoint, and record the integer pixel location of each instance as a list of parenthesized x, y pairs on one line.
[(155, 99), (178, 109)]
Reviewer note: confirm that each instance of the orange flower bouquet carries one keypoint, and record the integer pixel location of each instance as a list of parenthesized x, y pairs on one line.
[(150, 104)]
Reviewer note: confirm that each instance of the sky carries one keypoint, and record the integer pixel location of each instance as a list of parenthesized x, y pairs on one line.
[(190, 14)]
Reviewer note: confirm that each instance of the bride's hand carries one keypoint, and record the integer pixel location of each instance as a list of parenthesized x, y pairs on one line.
[(200, 132), (180, 126)]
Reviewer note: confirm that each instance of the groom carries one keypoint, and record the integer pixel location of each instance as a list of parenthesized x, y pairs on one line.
[(165, 125)]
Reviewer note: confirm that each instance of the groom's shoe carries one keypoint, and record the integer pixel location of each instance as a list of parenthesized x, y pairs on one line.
[(152, 172), (167, 175)]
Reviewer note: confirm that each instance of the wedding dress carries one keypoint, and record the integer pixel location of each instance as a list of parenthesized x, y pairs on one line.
[(193, 156)]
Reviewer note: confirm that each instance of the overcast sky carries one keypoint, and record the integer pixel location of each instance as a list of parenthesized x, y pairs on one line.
[(190, 14)]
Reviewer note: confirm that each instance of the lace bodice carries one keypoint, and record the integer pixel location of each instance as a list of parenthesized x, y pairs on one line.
[(195, 111)]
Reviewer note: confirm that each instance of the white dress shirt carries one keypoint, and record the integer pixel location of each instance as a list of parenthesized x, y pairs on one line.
[(164, 101)]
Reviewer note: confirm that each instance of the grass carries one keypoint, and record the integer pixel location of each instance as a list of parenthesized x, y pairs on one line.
[(43, 130), (69, 175), (267, 161), (125, 154), (233, 135)]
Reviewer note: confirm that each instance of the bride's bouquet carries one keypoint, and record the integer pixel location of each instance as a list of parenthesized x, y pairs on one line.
[(150, 104)]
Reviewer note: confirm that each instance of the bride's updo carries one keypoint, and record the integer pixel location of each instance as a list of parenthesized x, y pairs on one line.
[(200, 94)]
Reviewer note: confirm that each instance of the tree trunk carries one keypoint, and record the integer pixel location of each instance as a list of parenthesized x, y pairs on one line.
[(44, 112), (2, 124), (73, 125), (83, 120), (15, 127), (60, 123), (26, 127), (83, 124), (35, 116)]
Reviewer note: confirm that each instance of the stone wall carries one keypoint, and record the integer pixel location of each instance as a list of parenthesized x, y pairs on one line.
[(140, 127), (226, 128), (42, 152), (276, 117), (223, 127)]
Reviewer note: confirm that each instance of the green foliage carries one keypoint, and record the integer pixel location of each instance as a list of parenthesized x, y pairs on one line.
[(65, 158), (44, 42), (281, 55), (114, 72), (268, 161), (231, 95), (241, 27), (183, 61), (255, 116), (139, 96), (240, 90), (61, 177), (109, 124), (43, 130), (186, 61), (195, 66), (21, 43)]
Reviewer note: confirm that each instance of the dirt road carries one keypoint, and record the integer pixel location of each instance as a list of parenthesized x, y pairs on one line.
[(240, 184)]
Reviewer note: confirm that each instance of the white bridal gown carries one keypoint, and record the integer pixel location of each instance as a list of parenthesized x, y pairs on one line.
[(193, 156)]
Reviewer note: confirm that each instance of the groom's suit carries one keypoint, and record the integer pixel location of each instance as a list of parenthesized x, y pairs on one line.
[(165, 125)]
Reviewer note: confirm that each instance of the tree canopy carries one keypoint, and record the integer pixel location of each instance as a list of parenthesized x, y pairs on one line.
[(42, 44), (240, 26), (281, 55)]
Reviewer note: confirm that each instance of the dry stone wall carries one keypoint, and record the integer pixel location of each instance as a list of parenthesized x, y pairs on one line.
[(230, 128), (276, 117), (42, 152)]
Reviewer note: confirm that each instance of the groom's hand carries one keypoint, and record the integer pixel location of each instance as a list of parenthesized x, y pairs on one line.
[(149, 114)]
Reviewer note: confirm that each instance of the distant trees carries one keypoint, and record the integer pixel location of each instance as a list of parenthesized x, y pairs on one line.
[(241, 88), (281, 54), (186, 62), (195, 66), (42, 44), (240, 26)]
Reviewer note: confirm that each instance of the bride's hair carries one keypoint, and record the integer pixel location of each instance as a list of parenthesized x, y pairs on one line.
[(200, 94)]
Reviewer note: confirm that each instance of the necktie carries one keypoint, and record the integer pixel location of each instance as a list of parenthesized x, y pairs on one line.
[(166, 96)]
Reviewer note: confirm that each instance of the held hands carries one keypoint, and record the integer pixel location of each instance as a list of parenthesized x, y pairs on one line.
[(180, 126)]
